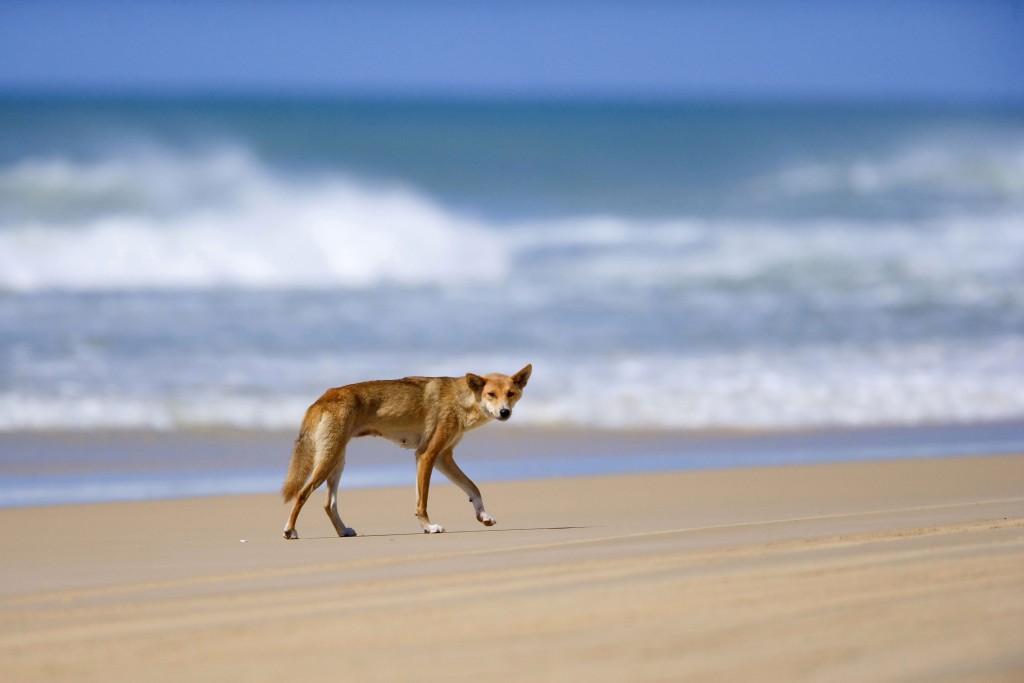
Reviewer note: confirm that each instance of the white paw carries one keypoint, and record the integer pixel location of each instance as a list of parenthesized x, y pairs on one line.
[(433, 529), (291, 534), (486, 519)]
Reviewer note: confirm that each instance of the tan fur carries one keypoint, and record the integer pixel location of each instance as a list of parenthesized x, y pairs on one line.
[(426, 414)]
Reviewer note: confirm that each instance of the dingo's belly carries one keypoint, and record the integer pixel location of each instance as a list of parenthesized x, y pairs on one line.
[(405, 439)]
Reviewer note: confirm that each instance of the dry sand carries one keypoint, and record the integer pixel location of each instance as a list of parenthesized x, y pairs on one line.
[(885, 571)]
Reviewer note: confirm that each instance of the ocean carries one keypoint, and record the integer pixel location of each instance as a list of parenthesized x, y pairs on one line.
[(183, 264)]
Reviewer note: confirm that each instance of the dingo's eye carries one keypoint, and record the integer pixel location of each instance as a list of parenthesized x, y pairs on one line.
[(491, 394), (511, 394)]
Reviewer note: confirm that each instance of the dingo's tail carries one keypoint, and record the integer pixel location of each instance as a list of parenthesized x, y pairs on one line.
[(301, 466)]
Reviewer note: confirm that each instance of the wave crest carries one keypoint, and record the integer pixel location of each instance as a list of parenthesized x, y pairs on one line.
[(158, 220), (955, 170)]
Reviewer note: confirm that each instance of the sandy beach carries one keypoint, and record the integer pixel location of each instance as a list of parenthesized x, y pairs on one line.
[(874, 571)]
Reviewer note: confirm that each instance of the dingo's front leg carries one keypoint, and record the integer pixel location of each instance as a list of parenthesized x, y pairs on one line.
[(446, 463), (424, 467)]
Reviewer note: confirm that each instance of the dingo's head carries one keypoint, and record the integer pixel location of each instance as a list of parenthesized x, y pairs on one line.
[(496, 394)]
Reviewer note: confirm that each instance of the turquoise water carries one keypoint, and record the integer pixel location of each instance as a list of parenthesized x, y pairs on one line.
[(522, 159), (180, 264)]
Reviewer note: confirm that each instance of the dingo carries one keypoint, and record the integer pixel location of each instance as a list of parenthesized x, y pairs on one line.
[(428, 414)]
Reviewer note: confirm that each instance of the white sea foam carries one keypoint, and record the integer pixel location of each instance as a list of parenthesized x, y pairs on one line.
[(225, 219), (164, 220), (957, 167), (882, 384), (815, 386), (36, 411)]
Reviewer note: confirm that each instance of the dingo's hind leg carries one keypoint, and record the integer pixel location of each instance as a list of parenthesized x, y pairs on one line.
[(329, 449), (449, 468), (289, 529), (312, 485), (332, 499)]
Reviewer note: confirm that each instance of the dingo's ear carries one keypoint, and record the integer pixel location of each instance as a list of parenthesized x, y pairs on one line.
[(522, 377), (476, 382)]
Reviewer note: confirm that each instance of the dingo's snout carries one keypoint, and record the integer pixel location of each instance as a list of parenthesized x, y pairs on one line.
[(504, 414)]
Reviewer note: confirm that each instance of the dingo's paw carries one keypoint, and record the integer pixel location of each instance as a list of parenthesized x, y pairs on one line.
[(433, 529), (349, 532), (486, 519), (291, 534)]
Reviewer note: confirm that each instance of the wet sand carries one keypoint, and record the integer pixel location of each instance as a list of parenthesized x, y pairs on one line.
[(883, 571)]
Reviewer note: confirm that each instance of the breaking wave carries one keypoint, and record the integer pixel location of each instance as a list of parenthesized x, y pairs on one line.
[(157, 220), (223, 219)]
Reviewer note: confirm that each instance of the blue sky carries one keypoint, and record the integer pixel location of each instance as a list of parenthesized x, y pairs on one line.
[(896, 49)]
